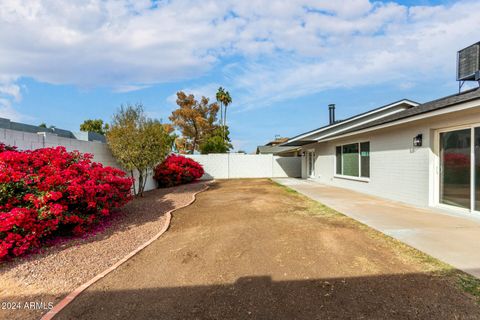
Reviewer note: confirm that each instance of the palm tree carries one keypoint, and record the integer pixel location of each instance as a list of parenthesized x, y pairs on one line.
[(224, 98), (227, 100), (220, 97)]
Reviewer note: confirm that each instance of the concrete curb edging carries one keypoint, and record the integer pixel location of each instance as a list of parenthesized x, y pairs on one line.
[(75, 293)]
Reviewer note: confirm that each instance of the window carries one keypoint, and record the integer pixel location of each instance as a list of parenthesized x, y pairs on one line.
[(339, 160), (350, 160), (353, 160), (365, 159)]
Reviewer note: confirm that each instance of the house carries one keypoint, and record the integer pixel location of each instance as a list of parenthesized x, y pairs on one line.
[(274, 147), (53, 131), (422, 154)]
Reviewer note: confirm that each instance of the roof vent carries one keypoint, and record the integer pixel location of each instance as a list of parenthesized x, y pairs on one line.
[(331, 113), (468, 64)]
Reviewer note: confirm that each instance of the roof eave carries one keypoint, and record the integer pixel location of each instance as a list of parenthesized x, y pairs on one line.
[(447, 109), (364, 114)]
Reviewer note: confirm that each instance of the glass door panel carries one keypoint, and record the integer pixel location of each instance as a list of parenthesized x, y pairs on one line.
[(477, 168), (455, 166), (310, 163)]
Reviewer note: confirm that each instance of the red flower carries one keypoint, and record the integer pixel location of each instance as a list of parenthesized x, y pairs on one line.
[(175, 170), (55, 195), (49, 189)]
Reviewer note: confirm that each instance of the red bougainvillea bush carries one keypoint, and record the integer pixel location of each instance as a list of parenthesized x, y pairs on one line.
[(175, 170), (50, 190)]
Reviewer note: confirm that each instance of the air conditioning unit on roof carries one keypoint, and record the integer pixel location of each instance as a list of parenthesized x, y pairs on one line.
[(468, 67)]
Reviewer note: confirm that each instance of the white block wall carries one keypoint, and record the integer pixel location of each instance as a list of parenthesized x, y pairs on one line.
[(233, 165)]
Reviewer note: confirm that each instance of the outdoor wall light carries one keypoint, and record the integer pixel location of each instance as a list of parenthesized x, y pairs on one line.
[(417, 141)]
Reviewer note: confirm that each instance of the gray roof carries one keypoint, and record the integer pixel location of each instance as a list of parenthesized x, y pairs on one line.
[(347, 119), (17, 126), (7, 124), (438, 104), (274, 149)]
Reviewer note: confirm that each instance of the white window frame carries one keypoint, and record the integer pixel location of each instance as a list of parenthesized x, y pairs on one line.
[(356, 178), (437, 203), (309, 153)]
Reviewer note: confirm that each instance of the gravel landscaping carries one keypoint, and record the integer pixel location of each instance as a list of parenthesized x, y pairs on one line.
[(49, 275)]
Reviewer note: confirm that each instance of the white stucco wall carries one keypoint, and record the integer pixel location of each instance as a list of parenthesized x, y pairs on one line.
[(233, 165), (398, 171)]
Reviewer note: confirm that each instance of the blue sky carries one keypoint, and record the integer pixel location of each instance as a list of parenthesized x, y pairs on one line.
[(282, 61)]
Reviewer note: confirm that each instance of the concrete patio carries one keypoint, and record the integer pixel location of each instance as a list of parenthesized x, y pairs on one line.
[(453, 239)]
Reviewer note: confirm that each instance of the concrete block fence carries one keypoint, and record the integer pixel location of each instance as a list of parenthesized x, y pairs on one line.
[(235, 165), (216, 166)]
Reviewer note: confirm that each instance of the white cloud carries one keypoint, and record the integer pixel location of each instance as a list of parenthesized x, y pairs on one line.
[(283, 49), (11, 90), (388, 43), (8, 112), (129, 88)]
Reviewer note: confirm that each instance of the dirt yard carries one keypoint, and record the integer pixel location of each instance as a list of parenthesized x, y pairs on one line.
[(250, 249)]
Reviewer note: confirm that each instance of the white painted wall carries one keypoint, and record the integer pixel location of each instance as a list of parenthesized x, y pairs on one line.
[(398, 171), (234, 165)]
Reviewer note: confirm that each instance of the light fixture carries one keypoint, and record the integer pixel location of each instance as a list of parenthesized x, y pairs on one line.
[(417, 141)]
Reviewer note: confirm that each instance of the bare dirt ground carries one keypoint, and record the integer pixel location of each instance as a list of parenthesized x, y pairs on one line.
[(249, 249), (47, 277)]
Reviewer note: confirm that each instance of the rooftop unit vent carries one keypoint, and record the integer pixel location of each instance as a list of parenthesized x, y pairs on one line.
[(468, 68)]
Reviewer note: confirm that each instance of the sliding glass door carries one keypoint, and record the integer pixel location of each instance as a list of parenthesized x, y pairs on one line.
[(477, 168), (311, 164), (460, 168), (455, 168)]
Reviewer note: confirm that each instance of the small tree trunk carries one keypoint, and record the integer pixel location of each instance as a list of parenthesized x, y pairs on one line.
[(134, 188), (221, 113), (140, 183), (195, 139), (194, 144), (225, 126), (145, 180)]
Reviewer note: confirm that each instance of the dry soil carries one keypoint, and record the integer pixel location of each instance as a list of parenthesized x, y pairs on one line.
[(249, 249)]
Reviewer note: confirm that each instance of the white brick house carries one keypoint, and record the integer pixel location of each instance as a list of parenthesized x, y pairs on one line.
[(422, 154)]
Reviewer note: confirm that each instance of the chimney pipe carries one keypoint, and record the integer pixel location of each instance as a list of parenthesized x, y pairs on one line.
[(331, 113)]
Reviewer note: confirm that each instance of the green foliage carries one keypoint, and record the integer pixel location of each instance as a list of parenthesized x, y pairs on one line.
[(95, 125), (170, 137), (44, 125), (216, 142), (137, 142), (223, 96), (469, 284)]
